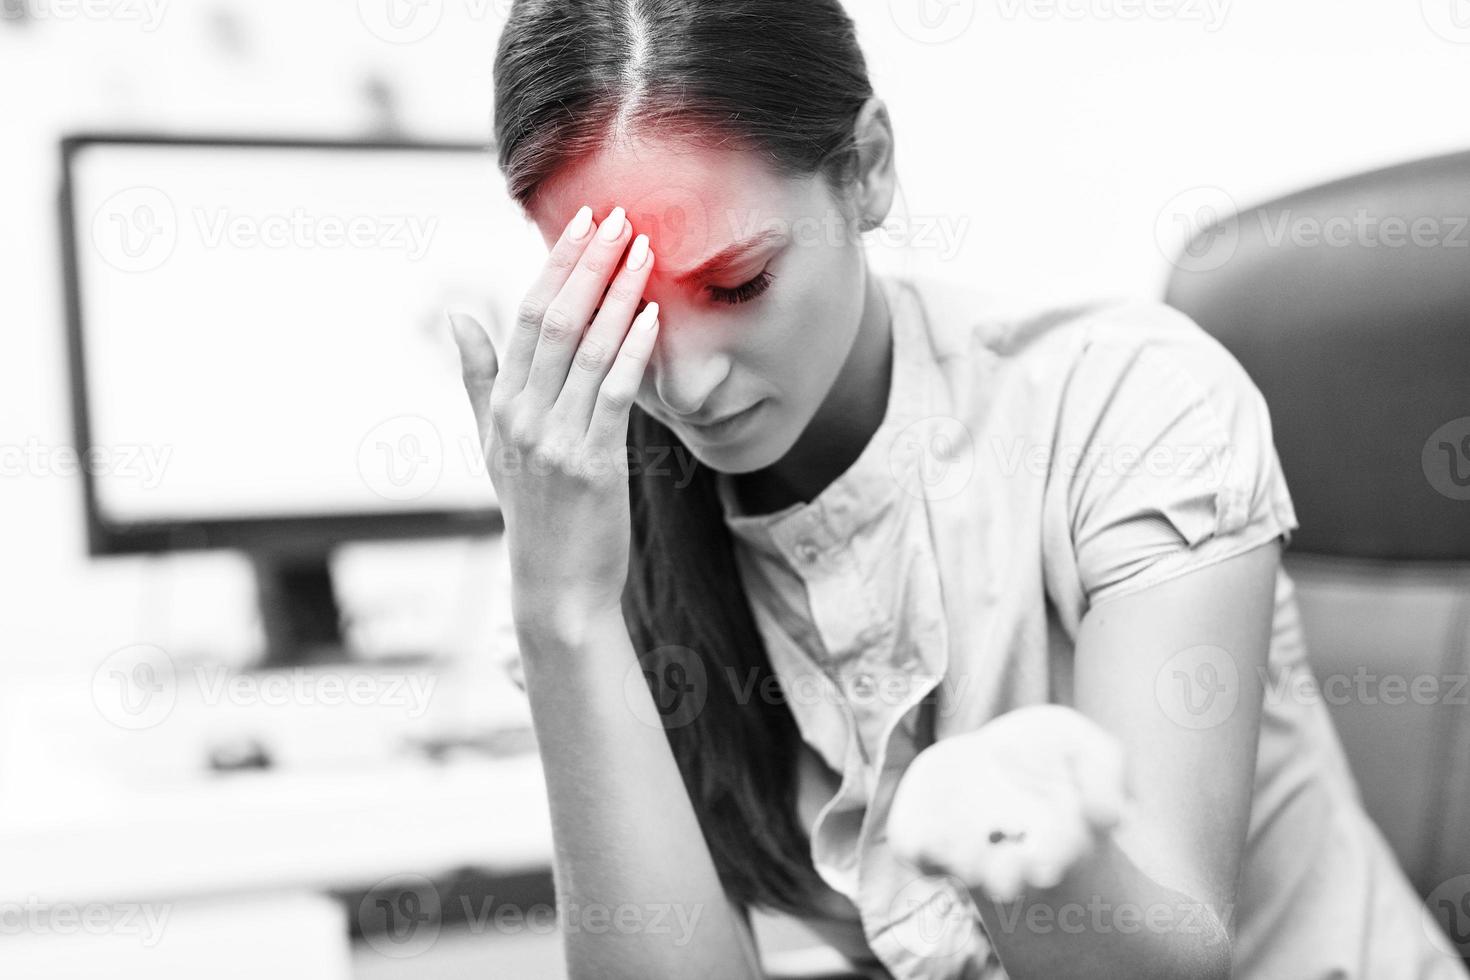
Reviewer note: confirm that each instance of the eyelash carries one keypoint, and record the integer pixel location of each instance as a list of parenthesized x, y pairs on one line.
[(743, 293)]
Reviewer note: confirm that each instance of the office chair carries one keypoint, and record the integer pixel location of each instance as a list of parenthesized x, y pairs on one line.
[(1349, 305)]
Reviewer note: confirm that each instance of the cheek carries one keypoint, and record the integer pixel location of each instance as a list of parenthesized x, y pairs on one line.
[(825, 314), (798, 346)]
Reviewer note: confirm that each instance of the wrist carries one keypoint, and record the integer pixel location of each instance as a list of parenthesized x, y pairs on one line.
[(544, 626)]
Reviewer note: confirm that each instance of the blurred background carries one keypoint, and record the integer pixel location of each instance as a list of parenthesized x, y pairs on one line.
[(257, 699)]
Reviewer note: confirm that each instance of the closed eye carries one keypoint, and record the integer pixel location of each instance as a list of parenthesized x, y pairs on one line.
[(743, 293)]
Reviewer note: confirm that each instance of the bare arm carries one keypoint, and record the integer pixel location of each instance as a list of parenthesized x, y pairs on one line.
[(625, 833), (1173, 672), (638, 893), (1078, 871)]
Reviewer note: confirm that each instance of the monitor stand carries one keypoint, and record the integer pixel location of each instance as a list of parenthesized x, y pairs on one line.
[(298, 610)]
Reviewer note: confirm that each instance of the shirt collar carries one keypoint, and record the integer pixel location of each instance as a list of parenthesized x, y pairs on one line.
[(874, 483)]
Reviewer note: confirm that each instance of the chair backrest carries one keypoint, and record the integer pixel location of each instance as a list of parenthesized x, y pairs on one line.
[(1349, 305)]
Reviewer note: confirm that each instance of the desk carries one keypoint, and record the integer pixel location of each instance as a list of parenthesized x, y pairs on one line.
[(253, 832), (226, 863)]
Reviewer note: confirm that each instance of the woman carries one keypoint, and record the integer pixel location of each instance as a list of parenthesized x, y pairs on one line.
[(955, 635)]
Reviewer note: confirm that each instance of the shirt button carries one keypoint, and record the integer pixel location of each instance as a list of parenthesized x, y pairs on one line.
[(808, 552), (863, 685)]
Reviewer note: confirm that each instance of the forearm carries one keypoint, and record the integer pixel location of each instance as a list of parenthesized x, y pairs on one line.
[(1108, 919), (626, 836)]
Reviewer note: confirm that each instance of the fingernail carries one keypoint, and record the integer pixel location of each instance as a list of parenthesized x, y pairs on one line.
[(581, 224), (650, 316), (638, 255), (613, 226)]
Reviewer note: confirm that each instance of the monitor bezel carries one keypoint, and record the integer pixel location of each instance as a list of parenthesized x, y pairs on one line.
[(271, 535)]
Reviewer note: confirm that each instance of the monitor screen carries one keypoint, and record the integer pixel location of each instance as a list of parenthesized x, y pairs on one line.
[(262, 327)]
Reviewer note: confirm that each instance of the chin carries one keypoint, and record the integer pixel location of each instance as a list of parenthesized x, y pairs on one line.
[(756, 451), (732, 459)]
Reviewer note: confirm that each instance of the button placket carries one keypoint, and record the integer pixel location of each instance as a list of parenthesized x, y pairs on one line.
[(804, 540), (874, 674)]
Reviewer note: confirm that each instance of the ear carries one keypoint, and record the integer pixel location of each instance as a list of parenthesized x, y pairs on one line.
[(873, 193)]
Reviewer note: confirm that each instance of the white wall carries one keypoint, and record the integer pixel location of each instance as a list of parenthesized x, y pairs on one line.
[(1052, 145), (1065, 140)]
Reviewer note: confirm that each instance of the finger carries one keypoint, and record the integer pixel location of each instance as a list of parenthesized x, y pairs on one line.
[(478, 366), (991, 846), (568, 314), (1002, 877), (907, 826), (619, 389), (600, 347), (1060, 840), (549, 282), (908, 833), (1098, 773), (972, 845)]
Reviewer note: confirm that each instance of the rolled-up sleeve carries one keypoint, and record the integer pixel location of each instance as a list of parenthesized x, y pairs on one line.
[(1167, 449)]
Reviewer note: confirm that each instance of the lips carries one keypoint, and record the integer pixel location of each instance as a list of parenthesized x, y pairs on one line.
[(720, 421), (725, 423)]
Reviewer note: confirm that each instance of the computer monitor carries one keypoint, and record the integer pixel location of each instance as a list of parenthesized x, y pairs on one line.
[(259, 352)]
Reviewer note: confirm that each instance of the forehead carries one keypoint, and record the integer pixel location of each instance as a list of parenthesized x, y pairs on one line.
[(690, 201)]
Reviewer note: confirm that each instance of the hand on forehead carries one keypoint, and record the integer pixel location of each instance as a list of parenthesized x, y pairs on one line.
[(691, 203)]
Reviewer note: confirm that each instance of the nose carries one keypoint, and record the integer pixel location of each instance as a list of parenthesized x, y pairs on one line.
[(687, 366)]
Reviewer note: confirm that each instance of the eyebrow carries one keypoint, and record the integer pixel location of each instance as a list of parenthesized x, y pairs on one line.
[(727, 255)]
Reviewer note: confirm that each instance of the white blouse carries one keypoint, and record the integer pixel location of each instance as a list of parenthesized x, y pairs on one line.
[(1034, 462)]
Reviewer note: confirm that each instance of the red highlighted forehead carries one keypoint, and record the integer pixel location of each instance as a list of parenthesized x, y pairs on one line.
[(691, 203)]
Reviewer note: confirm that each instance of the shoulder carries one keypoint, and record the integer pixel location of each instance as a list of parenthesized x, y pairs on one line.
[(1155, 447), (961, 316), (1082, 352)]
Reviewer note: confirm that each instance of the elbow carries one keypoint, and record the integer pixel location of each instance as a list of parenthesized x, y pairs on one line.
[(1217, 963), (1209, 955), (1204, 953)]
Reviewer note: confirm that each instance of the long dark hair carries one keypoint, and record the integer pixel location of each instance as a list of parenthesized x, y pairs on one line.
[(785, 79)]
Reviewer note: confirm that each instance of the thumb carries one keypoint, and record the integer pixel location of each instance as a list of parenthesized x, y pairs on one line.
[(1101, 777), (478, 365)]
